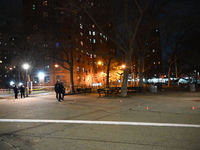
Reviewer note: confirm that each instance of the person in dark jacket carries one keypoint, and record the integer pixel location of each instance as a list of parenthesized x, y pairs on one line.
[(63, 91), (15, 89), (58, 90), (22, 91)]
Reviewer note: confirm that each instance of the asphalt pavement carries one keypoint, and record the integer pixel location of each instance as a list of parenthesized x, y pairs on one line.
[(165, 120)]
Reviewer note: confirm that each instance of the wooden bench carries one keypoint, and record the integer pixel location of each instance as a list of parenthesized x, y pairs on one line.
[(84, 90), (135, 89), (80, 90), (115, 91), (87, 90), (108, 92), (101, 91)]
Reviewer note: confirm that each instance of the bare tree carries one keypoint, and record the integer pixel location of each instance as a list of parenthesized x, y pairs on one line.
[(176, 33)]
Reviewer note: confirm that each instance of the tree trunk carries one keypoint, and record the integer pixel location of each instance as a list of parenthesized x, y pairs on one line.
[(169, 72), (71, 70), (108, 72), (140, 71), (125, 75)]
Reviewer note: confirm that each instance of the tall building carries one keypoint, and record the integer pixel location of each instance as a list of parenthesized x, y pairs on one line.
[(70, 41), (64, 43)]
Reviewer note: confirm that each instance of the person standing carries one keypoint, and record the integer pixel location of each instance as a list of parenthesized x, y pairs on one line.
[(58, 90), (15, 89), (63, 91), (22, 91)]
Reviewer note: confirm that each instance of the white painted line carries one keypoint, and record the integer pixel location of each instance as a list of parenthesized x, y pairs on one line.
[(102, 122)]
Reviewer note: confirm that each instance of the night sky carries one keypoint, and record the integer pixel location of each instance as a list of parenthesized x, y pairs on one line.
[(10, 12), (180, 10)]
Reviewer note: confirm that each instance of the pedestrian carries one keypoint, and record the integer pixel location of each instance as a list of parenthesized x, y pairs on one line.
[(22, 91), (58, 90), (16, 91), (63, 91)]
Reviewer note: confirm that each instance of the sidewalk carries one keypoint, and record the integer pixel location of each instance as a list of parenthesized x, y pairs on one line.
[(166, 93), (11, 94)]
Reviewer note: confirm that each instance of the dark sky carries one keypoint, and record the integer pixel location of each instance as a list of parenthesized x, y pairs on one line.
[(10, 12), (10, 9)]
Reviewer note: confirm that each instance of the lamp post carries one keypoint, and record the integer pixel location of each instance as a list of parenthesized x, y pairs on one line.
[(26, 67)]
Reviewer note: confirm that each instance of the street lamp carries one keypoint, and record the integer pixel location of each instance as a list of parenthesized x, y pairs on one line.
[(26, 67)]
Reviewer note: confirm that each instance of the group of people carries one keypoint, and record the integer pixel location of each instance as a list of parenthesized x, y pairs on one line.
[(60, 91), (21, 89)]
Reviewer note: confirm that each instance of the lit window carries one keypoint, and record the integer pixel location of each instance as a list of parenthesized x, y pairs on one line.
[(78, 69), (45, 14), (58, 77), (81, 33), (35, 27), (81, 26), (83, 70), (33, 7), (94, 40), (93, 33), (77, 59), (90, 32), (81, 43), (35, 80), (93, 26), (1, 61), (90, 55), (47, 79), (57, 44), (45, 3), (153, 50), (46, 58), (95, 56), (46, 68)]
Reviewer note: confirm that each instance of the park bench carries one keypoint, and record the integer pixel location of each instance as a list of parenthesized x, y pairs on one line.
[(135, 89), (101, 91), (108, 92), (87, 90), (83, 90)]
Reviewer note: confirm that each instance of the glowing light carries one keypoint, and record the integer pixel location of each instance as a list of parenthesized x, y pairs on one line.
[(56, 65), (99, 63), (26, 66), (11, 83), (41, 75)]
